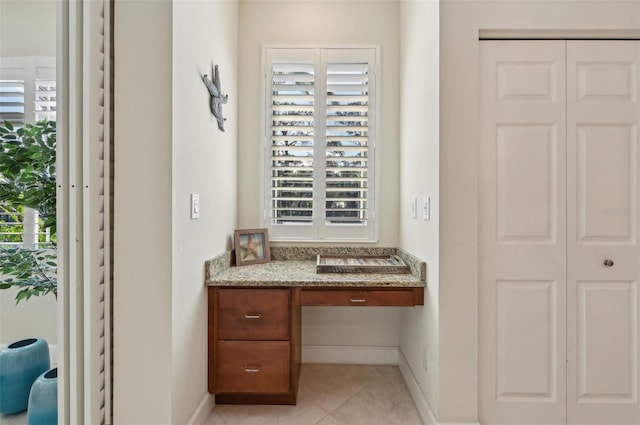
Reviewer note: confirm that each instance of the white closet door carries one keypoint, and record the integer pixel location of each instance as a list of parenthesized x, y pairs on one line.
[(602, 207), (522, 233)]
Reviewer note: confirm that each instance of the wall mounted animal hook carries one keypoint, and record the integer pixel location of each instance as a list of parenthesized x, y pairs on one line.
[(217, 99)]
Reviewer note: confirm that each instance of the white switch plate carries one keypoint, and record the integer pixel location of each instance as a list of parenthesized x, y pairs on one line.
[(414, 207), (195, 206), (426, 208), (426, 359)]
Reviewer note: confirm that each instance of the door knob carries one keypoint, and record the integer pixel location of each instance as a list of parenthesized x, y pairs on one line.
[(608, 263)]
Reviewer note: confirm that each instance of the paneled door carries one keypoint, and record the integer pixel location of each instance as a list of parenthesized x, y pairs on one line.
[(602, 240), (559, 259), (522, 234)]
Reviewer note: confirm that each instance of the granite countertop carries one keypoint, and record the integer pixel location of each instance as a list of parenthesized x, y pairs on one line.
[(298, 268)]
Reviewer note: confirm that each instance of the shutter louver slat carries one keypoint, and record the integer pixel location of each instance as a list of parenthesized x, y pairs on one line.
[(292, 143), (347, 111)]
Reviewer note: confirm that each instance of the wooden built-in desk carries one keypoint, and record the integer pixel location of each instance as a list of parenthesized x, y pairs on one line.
[(254, 321)]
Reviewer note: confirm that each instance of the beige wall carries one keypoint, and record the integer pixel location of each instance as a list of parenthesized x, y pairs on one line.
[(142, 297), (27, 28), (204, 162), (460, 22), (167, 147), (419, 176), (35, 318), (333, 23)]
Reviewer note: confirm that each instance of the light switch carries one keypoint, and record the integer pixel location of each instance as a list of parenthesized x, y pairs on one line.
[(195, 206), (414, 207), (426, 208)]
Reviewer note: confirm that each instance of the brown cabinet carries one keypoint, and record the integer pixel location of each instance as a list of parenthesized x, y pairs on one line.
[(254, 314), (254, 336), (253, 367), (254, 345)]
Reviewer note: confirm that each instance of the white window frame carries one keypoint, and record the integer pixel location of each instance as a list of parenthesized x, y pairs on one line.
[(319, 231)]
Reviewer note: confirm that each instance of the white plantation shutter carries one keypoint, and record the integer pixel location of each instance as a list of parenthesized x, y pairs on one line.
[(45, 99), (12, 101), (21, 99), (320, 138), (347, 147), (292, 143)]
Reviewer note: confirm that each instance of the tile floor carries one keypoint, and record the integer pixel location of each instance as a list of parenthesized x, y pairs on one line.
[(334, 395), (328, 395)]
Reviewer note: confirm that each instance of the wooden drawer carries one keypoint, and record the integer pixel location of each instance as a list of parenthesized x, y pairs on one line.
[(253, 367), (253, 314), (362, 297)]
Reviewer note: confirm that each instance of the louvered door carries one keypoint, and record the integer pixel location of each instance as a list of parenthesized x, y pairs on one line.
[(83, 209)]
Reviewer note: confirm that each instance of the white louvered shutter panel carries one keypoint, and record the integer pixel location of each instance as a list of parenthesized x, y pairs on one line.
[(12, 101), (291, 142), (45, 99), (347, 130), (44, 90)]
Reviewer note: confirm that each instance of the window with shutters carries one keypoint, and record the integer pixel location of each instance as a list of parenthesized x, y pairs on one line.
[(27, 95), (320, 140)]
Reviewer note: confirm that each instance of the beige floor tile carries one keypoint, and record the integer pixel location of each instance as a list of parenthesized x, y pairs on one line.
[(329, 420), (236, 414), (332, 385), (334, 395)]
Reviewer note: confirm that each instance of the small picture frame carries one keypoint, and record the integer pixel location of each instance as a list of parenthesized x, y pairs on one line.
[(252, 246)]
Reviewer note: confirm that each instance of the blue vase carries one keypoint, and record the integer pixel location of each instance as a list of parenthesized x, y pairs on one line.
[(20, 364), (43, 400)]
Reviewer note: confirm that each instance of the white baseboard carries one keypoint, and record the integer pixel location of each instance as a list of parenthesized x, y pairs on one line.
[(346, 354), (202, 412), (427, 416)]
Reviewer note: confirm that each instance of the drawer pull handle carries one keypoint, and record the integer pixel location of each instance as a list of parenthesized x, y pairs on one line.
[(253, 368), (358, 300), (253, 316)]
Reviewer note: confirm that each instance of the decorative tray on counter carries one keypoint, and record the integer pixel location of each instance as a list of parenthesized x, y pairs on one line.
[(360, 264)]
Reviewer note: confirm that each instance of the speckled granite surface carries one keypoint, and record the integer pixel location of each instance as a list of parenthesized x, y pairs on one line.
[(293, 266)]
